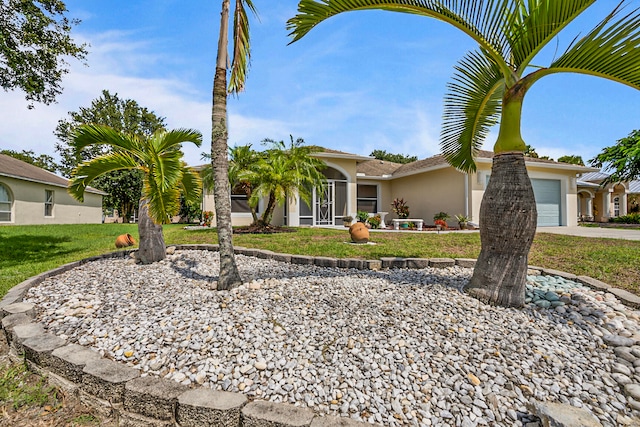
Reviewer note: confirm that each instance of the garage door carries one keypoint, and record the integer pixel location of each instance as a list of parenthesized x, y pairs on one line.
[(547, 193)]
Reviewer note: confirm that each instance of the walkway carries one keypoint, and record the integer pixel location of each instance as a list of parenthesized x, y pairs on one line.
[(606, 232)]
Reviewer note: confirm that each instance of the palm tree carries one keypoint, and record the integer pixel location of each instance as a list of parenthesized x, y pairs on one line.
[(229, 276), (241, 159), (488, 87), (165, 175), (283, 171)]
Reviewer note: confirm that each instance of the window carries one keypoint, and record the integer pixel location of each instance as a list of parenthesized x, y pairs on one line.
[(368, 198), (48, 202), (240, 202), (5, 204), (616, 206)]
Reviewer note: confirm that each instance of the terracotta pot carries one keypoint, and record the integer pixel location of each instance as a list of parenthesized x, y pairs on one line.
[(359, 233), (125, 240)]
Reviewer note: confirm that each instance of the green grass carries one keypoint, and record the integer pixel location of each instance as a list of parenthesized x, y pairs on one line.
[(29, 250), (18, 389)]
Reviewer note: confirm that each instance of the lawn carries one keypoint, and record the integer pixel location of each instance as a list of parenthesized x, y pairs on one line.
[(29, 250)]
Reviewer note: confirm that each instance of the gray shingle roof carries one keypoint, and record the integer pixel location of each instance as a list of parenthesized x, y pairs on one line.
[(15, 168)]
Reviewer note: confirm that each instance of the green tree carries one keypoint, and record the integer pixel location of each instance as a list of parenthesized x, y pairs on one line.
[(488, 87), (123, 115), (390, 157), (34, 42), (529, 151), (571, 159), (43, 161), (165, 176), (229, 276), (622, 160), (282, 171)]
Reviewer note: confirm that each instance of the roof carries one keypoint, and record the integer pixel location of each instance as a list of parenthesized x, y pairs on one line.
[(634, 187), (594, 177), (335, 154), (14, 168), (377, 168)]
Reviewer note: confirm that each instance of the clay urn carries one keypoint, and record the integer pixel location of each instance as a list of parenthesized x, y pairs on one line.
[(359, 233), (124, 240)]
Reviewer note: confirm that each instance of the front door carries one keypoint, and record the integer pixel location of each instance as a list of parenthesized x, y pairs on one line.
[(324, 205)]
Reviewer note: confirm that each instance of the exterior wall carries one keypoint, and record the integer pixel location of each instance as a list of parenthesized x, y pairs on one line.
[(428, 193), (237, 219), (568, 190), (28, 204)]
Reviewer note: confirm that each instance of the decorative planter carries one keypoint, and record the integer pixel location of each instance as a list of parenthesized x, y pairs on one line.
[(404, 225), (124, 240), (359, 233)]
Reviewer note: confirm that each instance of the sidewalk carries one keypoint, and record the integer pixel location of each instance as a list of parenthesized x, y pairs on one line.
[(608, 233)]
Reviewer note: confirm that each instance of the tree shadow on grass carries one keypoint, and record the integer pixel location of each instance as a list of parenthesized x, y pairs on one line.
[(23, 248)]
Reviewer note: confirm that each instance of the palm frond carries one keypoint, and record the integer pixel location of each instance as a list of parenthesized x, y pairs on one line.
[(162, 203), (611, 50), (471, 107), (241, 46), (173, 139), (88, 171), (535, 23), (191, 184), (483, 20), (92, 134)]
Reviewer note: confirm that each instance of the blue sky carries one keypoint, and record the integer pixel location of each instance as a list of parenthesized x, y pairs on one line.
[(358, 82)]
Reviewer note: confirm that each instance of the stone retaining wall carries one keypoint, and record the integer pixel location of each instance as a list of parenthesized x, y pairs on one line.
[(118, 391)]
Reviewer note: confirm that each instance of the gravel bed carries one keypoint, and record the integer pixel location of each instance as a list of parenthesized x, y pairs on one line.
[(396, 347)]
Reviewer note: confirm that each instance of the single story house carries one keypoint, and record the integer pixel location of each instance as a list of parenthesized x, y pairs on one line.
[(31, 195), (600, 203), (362, 183)]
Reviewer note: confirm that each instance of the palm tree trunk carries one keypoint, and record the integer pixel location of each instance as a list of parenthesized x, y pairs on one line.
[(152, 247), (508, 219), (268, 212), (229, 276)]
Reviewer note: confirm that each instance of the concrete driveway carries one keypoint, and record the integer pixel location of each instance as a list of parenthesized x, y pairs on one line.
[(609, 233)]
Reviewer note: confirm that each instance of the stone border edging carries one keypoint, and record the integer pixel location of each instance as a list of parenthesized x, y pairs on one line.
[(118, 391)]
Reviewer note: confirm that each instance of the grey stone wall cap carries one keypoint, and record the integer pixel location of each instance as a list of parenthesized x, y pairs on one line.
[(626, 297), (280, 414), (27, 330), (212, 399), (44, 343), (110, 371), (12, 320), (18, 307), (76, 354), (157, 387), (593, 283)]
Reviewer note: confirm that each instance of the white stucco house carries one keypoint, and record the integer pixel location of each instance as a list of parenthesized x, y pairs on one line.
[(31, 195), (428, 186)]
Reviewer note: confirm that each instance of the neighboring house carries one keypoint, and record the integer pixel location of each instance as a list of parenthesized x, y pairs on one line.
[(428, 186), (600, 203), (31, 195)]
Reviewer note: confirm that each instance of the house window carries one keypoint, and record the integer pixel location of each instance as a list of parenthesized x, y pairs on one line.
[(48, 202), (5, 204), (616, 206), (368, 198), (240, 202)]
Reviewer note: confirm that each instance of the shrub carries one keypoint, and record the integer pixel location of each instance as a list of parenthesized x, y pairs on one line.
[(362, 216), (442, 223), (207, 217), (632, 218), (375, 221), (441, 216), (400, 208)]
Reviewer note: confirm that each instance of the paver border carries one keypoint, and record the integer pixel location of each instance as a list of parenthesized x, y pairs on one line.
[(115, 390)]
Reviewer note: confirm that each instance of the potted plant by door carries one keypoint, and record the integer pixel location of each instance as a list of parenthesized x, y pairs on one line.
[(347, 220), (463, 221)]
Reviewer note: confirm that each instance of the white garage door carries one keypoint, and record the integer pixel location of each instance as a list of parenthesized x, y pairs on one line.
[(547, 194)]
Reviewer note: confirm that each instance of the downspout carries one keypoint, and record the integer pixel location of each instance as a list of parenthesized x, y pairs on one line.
[(466, 195)]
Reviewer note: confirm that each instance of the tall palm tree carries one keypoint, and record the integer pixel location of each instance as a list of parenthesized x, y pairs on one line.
[(241, 159), (229, 276), (488, 87), (165, 175), (282, 171)]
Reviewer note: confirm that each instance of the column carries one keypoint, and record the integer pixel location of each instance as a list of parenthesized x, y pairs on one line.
[(623, 204)]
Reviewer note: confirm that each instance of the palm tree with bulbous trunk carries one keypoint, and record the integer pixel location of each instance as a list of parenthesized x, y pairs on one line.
[(489, 87)]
